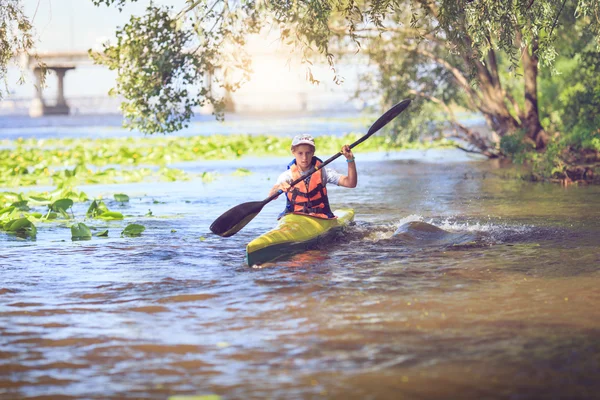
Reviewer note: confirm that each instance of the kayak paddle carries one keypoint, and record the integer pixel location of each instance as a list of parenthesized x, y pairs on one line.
[(239, 216)]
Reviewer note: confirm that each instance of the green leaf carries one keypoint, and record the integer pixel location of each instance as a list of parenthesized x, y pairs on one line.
[(39, 199), (110, 215), (80, 231), (51, 215), (242, 172), (123, 198), (92, 209), (96, 209), (21, 205), (21, 227), (104, 233), (62, 204), (16, 224), (7, 210), (133, 230)]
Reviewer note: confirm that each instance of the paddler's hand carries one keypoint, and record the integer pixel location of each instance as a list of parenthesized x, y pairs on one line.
[(285, 186), (347, 152)]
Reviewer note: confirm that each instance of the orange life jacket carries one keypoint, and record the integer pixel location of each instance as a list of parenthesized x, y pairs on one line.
[(308, 196)]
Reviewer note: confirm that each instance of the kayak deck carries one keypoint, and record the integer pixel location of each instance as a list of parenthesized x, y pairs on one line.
[(295, 233)]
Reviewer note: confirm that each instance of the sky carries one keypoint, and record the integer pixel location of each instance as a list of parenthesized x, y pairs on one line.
[(78, 25)]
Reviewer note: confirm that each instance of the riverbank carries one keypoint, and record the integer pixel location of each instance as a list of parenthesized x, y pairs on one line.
[(566, 167), (580, 167)]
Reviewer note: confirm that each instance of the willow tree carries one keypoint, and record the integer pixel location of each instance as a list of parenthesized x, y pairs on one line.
[(16, 37), (483, 55), (445, 52)]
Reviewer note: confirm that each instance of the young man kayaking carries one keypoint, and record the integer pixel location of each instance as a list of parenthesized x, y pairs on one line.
[(310, 195)]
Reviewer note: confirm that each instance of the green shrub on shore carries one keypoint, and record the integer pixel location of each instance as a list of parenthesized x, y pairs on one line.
[(573, 115)]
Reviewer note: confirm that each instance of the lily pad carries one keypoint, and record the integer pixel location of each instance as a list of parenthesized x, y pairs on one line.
[(98, 208), (21, 205), (39, 199), (62, 204), (7, 210), (80, 231), (22, 227), (120, 197), (51, 215), (133, 230), (110, 215), (242, 172)]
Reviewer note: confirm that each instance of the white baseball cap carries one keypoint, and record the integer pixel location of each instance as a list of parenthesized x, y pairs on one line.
[(303, 139)]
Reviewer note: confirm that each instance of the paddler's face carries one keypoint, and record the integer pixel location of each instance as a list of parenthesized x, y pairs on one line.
[(303, 154)]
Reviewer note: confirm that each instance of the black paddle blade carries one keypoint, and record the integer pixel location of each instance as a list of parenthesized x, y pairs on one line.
[(236, 218), (388, 116), (380, 123)]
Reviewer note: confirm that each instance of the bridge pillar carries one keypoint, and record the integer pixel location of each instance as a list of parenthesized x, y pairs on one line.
[(38, 107), (229, 103)]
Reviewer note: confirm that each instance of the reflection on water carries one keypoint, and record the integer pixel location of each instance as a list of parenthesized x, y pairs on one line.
[(454, 283)]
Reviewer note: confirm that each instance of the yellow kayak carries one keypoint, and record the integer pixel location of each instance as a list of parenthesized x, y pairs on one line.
[(295, 233)]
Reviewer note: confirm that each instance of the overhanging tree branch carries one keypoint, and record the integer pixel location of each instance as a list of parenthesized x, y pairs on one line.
[(469, 135)]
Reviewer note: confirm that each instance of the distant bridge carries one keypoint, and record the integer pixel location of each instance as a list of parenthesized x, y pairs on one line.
[(93, 104), (60, 63), (244, 103)]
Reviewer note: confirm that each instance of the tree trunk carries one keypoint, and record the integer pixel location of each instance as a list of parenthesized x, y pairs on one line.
[(494, 106), (531, 120)]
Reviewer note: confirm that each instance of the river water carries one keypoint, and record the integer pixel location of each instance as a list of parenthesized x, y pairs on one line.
[(455, 282)]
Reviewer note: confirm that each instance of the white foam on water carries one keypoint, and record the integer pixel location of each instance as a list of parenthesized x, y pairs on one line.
[(407, 219), (494, 232), (385, 231), (451, 225), (454, 226)]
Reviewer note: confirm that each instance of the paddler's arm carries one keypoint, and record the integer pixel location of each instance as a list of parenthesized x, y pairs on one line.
[(285, 186), (351, 179)]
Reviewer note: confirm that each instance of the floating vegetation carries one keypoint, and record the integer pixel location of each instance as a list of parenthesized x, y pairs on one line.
[(66, 163), (80, 231), (99, 210), (21, 227), (133, 230), (71, 162), (122, 198), (242, 172), (18, 215)]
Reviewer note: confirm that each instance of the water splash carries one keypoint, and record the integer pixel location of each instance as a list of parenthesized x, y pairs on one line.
[(415, 229)]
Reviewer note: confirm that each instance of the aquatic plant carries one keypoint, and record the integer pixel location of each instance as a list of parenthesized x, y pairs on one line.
[(70, 162), (18, 213)]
